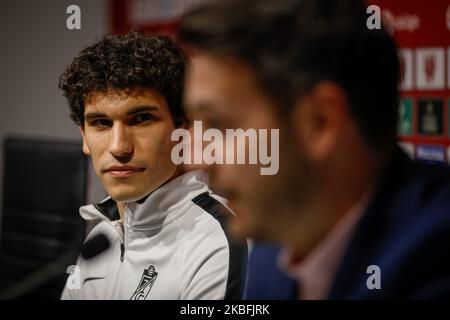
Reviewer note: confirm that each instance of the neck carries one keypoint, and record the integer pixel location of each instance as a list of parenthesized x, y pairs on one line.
[(121, 205), (342, 185), (121, 209)]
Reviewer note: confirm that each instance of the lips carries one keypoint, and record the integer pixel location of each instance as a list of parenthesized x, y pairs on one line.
[(123, 171)]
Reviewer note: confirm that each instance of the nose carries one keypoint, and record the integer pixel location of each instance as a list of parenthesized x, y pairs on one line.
[(120, 144)]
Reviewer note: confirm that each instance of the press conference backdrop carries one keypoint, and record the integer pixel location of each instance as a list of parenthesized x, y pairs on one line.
[(422, 31), (36, 46)]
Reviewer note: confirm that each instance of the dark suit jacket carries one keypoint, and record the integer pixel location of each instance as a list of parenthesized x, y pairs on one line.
[(405, 231)]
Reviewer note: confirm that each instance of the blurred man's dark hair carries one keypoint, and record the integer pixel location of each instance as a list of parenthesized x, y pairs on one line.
[(294, 44)]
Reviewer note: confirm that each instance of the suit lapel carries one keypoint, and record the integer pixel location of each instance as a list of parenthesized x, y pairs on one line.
[(367, 241)]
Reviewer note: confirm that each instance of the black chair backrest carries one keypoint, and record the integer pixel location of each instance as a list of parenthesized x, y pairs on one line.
[(44, 185)]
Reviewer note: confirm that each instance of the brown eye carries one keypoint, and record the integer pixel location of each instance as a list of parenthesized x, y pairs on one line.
[(101, 123), (141, 118)]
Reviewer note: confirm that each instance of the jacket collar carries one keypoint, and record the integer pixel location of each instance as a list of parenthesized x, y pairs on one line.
[(365, 244), (161, 207)]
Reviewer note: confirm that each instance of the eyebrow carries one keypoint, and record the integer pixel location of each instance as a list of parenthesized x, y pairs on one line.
[(199, 107), (133, 111), (140, 109), (205, 108)]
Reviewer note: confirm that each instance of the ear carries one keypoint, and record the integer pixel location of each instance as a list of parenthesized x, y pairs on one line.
[(86, 150), (187, 122), (320, 118)]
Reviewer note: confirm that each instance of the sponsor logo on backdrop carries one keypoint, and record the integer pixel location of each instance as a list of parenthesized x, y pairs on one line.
[(448, 117), (408, 148), (430, 68), (405, 117), (406, 64), (430, 119), (448, 155), (448, 67), (434, 154), (402, 22), (447, 15)]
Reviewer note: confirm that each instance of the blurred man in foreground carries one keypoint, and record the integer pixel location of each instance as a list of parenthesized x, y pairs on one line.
[(357, 219)]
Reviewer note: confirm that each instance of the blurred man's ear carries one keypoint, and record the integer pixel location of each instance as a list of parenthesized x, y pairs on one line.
[(188, 125), (86, 150), (320, 117), (183, 122), (187, 122)]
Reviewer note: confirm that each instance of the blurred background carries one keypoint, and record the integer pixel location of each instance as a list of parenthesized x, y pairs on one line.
[(44, 177)]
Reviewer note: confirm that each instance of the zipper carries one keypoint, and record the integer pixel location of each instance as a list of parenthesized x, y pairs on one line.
[(122, 254), (115, 224), (123, 225), (122, 251), (118, 224), (122, 241)]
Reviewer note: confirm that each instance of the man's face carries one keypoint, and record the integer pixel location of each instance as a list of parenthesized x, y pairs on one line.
[(128, 137), (224, 94)]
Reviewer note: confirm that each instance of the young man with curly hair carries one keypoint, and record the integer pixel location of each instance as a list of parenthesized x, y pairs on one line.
[(166, 233)]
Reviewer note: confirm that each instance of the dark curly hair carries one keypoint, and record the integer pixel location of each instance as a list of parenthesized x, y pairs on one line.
[(126, 62)]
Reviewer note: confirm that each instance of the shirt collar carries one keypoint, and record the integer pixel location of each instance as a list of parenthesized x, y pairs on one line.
[(161, 207), (315, 273)]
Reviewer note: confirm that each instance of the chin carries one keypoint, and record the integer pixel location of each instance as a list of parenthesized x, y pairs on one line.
[(237, 230), (259, 228), (126, 196)]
